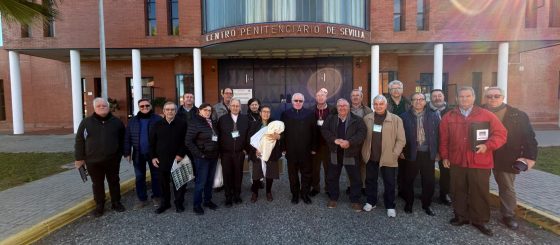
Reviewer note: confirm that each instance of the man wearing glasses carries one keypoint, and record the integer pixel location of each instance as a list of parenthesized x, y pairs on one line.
[(222, 108), (521, 146), (397, 104), (136, 143), (300, 142)]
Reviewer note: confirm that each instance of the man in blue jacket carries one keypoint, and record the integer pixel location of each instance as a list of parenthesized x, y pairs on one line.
[(136, 138)]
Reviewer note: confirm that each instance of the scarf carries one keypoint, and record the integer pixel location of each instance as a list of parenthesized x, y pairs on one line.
[(145, 115), (438, 110), (420, 135)]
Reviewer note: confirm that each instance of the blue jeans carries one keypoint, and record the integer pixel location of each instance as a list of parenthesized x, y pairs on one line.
[(389, 178), (205, 168), (140, 172)]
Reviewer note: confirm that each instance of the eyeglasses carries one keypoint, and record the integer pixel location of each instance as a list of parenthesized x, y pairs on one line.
[(297, 101), (144, 106), (393, 89), (493, 96), (419, 99)]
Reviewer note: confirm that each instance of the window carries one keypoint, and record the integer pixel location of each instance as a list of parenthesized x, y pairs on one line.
[(173, 13), (185, 83), (398, 15), (2, 102), (531, 14), (422, 15), (151, 23), (48, 27), (554, 13), (25, 30)]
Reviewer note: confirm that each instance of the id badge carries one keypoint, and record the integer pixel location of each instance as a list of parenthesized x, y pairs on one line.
[(320, 122), (377, 128), (215, 138), (235, 134)]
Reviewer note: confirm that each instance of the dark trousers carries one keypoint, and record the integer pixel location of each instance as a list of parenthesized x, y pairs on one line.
[(98, 172), (443, 180), (426, 167), (140, 173), (166, 182), (389, 178), (470, 189), (295, 168), (232, 169), (400, 175), (257, 183), (204, 179), (321, 158), (333, 178)]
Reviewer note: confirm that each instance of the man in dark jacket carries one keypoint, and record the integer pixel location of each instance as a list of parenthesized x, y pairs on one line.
[(470, 159), (421, 127), (321, 110), (344, 134), (439, 106), (167, 144), (99, 145), (137, 139), (233, 130), (188, 110), (520, 146), (299, 144)]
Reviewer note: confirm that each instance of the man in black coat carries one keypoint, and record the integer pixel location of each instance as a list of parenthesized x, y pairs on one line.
[(344, 134), (188, 110), (439, 106), (233, 130), (99, 145), (167, 144), (299, 143), (521, 145)]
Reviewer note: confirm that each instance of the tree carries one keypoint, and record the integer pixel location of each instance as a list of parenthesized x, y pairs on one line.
[(25, 12)]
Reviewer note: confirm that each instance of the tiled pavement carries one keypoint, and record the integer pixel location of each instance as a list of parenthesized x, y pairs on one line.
[(24, 206)]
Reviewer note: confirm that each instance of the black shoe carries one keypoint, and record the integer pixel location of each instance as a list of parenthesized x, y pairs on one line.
[(162, 209), (510, 223), (429, 211), (313, 193), (295, 199), (445, 200), (198, 210), (118, 207), (229, 203), (484, 229), (237, 200), (210, 205), (457, 222), (408, 209), (179, 208), (99, 209), (306, 199)]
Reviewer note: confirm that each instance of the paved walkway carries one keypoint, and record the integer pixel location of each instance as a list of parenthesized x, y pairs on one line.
[(26, 205)]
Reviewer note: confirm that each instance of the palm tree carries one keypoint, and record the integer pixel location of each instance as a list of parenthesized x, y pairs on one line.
[(25, 12)]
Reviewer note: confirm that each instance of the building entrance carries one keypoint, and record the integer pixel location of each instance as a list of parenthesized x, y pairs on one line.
[(274, 81)]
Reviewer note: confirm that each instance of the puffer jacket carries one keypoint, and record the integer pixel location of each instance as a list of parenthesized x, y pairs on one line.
[(199, 138)]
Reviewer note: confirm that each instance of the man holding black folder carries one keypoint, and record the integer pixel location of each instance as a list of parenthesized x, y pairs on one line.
[(468, 137)]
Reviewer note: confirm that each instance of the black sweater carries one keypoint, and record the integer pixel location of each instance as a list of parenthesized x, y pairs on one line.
[(99, 139), (228, 144), (167, 140)]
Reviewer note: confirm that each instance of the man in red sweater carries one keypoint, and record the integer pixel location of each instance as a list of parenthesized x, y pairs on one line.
[(470, 161)]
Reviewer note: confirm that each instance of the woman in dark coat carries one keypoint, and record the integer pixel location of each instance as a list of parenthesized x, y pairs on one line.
[(272, 168), (202, 141), (253, 112)]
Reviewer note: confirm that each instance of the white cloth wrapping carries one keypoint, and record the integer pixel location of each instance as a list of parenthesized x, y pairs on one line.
[(264, 144)]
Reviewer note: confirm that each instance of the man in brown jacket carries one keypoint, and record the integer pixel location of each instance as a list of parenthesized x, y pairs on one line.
[(382, 146)]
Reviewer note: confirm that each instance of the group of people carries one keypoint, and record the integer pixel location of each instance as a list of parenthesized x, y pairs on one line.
[(397, 139)]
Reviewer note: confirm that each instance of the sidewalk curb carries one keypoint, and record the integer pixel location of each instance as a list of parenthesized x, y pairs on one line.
[(528, 213), (45, 227)]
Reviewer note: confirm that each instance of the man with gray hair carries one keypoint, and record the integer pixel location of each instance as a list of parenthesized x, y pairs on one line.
[(344, 134), (398, 104), (299, 142), (521, 147), (99, 145)]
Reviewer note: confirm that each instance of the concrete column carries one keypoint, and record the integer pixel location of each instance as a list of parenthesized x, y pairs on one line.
[(197, 61), (77, 103), (374, 72), (438, 66), (17, 104), (136, 79), (503, 56)]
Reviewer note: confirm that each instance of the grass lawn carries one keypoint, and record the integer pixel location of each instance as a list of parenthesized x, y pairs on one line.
[(548, 159), (20, 168)]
